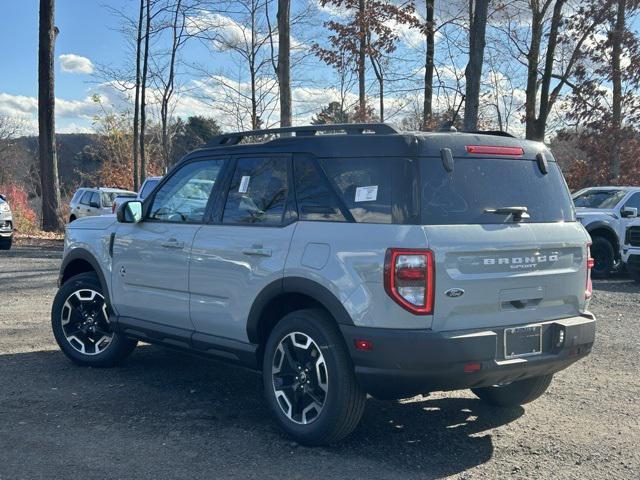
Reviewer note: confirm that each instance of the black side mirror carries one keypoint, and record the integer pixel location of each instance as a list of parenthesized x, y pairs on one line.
[(130, 212)]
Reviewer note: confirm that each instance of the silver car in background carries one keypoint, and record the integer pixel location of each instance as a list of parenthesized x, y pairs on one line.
[(87, 202)]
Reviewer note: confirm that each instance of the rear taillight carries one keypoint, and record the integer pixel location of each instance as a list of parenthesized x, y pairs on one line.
[(590, 263), (113, 207), (409, 279)]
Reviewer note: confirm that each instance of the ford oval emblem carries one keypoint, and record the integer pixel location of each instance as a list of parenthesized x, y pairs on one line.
[(454, 292)]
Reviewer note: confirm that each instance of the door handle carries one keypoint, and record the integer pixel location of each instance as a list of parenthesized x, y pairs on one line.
[(257, 251), (172, 243)]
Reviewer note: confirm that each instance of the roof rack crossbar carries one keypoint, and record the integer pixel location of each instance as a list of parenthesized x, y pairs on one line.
[(304, 131)]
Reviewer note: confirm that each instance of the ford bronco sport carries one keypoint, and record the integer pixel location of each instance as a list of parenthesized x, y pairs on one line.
[(342, 260)]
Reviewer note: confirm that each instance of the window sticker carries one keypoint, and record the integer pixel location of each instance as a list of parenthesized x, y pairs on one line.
[(244, 184), (367, 194)]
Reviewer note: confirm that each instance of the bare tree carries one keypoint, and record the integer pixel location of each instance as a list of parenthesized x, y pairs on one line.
[(284, 61), (429, 28), (616, 79), (136, 108), (478, 11), (50, 185), (143, 94)]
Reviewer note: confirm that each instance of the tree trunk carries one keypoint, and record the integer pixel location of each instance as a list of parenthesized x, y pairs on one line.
[(143, 100), (50, 186), (473, 72), (377, 69), (616, 80), (169, 87), (427, 112), (136, 111), (253, 70), (284, 62), (362, 54), (533, 60)]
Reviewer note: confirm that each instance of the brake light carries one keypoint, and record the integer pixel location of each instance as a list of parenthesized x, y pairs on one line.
[(590, 263), (409, 277), (489, 150)]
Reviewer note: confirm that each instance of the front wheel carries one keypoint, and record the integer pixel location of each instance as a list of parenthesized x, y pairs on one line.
[(81, 326), (5, 243), (309, 379), (515, 393), (604, 257)]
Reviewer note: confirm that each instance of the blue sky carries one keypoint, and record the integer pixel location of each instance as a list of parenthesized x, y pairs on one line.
[(212, 79)]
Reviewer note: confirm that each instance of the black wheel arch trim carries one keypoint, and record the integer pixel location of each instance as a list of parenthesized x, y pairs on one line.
[(605, 226), (300, 285), (85, 255)]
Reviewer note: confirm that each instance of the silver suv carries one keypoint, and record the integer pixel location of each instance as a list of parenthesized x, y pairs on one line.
[(87, 202), (343, 260)]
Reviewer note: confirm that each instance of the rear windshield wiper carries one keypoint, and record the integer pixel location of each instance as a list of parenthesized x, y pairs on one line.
[(518, 213)]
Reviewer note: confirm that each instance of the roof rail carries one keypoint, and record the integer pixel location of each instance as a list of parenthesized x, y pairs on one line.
[(227, 139)]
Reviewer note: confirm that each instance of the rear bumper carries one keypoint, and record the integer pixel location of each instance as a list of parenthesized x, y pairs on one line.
[(404, 363)]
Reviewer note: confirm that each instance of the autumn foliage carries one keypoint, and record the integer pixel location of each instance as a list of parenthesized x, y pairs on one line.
[(24, 217)]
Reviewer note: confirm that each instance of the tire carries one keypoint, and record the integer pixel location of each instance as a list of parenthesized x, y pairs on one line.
[(331, 382), (5, 243), (80, 300), (604, 256), (514, 394)]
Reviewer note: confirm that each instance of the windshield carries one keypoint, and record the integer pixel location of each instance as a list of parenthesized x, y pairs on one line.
[(599, 198), (477, 185)]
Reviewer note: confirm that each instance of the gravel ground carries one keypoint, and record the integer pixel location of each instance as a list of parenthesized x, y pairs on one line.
[(169, 415)]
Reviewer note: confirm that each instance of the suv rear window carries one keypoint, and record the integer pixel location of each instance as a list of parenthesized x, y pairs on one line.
[(375, 190), (461, 197)]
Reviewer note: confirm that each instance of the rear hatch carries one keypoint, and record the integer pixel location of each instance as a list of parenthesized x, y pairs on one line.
[(496, 266)]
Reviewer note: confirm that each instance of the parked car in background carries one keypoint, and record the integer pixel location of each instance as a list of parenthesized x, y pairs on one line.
[(87, 202), (341, 265), (631, 250), (147, 187), (606, 212), (120, 199), (6, 224)]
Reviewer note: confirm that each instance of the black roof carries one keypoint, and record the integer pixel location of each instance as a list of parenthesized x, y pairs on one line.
[(360, 140)]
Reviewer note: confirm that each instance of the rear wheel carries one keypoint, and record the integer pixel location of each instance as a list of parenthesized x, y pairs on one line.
[(603, 256), (515, 393), (309, 379), (81, 326), (5, 243)]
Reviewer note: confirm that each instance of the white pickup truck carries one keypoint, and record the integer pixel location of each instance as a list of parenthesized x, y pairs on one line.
[(606, 212), (631, 250)]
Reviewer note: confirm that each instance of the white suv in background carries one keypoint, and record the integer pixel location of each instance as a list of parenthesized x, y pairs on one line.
[(87, 202)]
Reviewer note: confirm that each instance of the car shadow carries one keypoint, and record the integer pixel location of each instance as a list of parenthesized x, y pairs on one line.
[(159, 390)]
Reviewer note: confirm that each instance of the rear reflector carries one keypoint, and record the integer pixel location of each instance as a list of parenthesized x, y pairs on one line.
[(590, 263), (472, 367), (489, 150), (364, 345)]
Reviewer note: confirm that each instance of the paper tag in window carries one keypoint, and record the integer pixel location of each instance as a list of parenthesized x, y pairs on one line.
[(244, 184), (367, 194)]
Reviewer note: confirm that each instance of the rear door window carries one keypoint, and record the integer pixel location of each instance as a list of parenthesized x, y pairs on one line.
[(478, 184), (258, 191), (316, 200), (95, 199), (375, 190)]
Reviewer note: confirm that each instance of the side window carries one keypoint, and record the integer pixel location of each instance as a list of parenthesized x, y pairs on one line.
[(184, 197), (634, 201), (258, 192), (107, 199), (376, 190), (86, 198), (316, 201), (95, 199)]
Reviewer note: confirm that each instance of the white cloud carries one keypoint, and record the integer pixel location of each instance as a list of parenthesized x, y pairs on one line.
[(72, 63)]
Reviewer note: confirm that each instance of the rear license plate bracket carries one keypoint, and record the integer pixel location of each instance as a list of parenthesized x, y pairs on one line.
[(525, 341)]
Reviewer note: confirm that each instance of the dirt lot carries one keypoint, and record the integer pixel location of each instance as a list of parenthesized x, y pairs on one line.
[(168, 415)]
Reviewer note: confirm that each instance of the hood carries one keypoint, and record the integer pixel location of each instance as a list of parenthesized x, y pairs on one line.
[(582, 211), (101, 222)]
